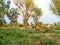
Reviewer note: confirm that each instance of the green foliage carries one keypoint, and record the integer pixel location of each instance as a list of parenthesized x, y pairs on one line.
[(1, 23), (24, 37), (56, 8), (37, 36), (39, 24), (37, 11), (21, 25), (56, 26), (28, 3), (27, 7), (4, 7), (48, 41), (13, 15)]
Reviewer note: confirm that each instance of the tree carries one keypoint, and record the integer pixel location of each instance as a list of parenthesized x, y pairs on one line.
[(13, 15), (26, 8), (3, 10), (36, 15), (2, 22), (56, 7)]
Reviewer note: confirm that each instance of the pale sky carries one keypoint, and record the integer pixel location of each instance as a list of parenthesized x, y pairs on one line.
[(47, 16)]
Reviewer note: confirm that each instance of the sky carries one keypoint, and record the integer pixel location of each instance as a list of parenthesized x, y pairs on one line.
[(47, 16)]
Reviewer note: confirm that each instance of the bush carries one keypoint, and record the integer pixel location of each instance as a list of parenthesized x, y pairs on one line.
[(48, 41), (56, 26), (24, 37), (21, 25)]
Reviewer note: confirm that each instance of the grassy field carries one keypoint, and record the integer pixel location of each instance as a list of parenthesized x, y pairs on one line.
[(29, 37)]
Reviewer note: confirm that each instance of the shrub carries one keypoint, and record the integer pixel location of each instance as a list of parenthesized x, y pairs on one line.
[(24, 37), (21, 25), (48, 41)]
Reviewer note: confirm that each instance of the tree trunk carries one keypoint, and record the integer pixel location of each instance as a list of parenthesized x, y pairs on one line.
[(34, 27), (26, 17), (25, 22)]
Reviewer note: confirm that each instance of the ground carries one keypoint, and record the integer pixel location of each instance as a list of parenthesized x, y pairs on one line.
[(29, 37)]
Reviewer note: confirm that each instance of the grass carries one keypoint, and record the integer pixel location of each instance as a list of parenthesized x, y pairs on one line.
[(27, 37)]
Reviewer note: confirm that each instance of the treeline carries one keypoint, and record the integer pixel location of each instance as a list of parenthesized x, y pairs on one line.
[(28, 9)]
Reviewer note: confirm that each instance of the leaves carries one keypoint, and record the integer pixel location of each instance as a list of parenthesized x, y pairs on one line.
[(56, 7), (3, 10), (37, 11), (28, 3), (13, 15)]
